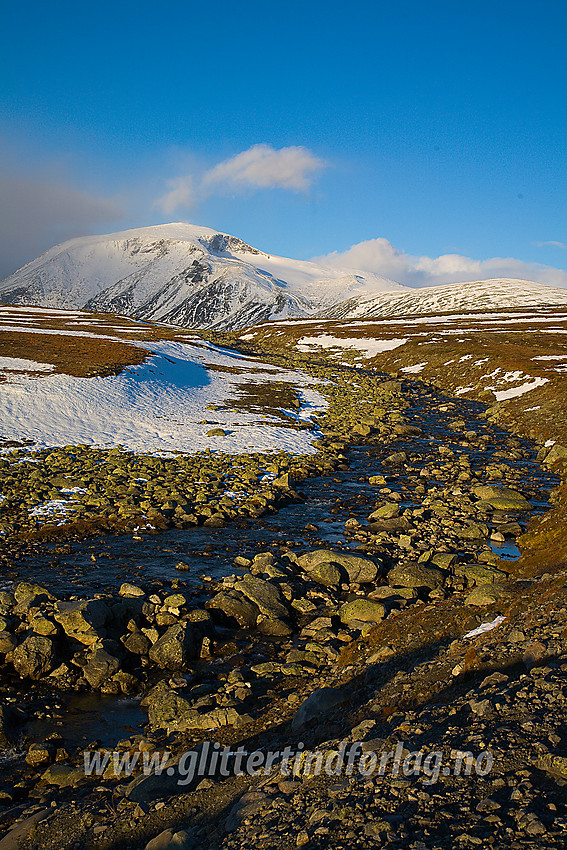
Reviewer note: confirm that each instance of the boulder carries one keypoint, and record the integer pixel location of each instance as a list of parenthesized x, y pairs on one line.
[(168, 710), (387, 511), (34, 657), (264, 595), (501, 498), (63, 775), (413, 574), (396, 459), (25, 592), (83, 616), (396, 524), (43, 625), (359, 570), (284, 482), (100, 666), (170, 840), (7, 642), (40, 754), (557, 454), (486, 594), (364, 610), (235, 607), (474, 531), (137, 643), (480, 573), (319, 703), (176, 648), (131, 590), (326, 573), (274, 627), (7, 602)]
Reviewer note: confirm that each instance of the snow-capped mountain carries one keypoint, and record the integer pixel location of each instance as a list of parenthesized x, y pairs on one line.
[(476, 296), (198, 278), (184, 275)]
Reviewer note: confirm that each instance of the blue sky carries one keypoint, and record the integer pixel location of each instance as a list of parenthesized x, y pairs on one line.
[(306, 128)]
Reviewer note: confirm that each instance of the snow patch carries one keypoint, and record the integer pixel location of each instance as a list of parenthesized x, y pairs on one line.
[(485, 627), (515, 392), (18, 364), (415, 369), (367, 347), (161, 405)]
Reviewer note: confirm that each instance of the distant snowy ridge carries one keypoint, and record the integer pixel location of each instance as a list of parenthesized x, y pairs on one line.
[(195, 277), (184, 275), (480, 296)]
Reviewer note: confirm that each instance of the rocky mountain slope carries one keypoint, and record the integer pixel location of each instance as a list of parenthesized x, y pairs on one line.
[(196, 277), (183, 275)]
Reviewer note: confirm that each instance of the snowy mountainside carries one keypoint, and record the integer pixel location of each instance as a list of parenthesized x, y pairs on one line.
[(478, 296), (184, 275)]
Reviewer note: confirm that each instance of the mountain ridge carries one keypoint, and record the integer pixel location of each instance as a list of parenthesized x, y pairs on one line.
[(197, 277)]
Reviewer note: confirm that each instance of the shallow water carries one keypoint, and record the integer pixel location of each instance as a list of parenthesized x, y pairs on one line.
[(104, 562), (93, 717), (507, 551)]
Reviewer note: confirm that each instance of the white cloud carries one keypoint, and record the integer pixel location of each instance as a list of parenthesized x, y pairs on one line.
[(380, 256), (181, 194), (259, 167), (551, 243), (263, 167)]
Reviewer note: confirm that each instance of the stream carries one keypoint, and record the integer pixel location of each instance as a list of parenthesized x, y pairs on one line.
[(84, 567)]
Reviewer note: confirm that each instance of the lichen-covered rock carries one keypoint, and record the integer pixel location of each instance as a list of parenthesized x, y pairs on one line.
[(480, 574), (25, 592), (34, 657), (63, 775), (486, 594), (7, 642), (137, 643), (131, 590), (501, 498), (99, 668), (82, 616), (358, 570), (273, 626), (413, 574), (557, 454), (264, 595), (235, 607), (387, 511), (364, 610), (176, 648)]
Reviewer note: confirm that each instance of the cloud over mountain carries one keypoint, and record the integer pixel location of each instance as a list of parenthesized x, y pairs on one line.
[(260, 167), (379, 255), (37, 211)]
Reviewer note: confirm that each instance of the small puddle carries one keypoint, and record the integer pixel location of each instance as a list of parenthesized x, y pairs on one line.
[(507, 551), (93, 717)]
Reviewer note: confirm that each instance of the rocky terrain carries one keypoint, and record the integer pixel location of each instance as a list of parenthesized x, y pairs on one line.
[(294, 621)]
